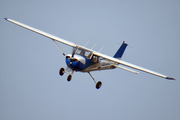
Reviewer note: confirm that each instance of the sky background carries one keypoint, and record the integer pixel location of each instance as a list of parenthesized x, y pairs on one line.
[(30, 85)]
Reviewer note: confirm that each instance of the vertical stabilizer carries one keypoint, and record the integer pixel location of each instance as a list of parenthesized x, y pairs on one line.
[(121, 50)]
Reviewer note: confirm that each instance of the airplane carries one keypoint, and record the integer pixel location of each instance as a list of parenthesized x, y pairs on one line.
[(84, 59)]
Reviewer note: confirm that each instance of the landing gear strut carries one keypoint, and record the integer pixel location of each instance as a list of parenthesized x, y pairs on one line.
[(98, 84)]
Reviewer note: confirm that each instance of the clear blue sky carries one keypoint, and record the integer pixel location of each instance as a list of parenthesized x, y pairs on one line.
[(31, 88)]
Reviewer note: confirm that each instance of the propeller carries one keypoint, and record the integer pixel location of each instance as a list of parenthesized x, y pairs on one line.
[(74, 51)]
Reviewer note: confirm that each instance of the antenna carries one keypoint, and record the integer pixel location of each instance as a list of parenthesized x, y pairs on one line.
[(93, 46), (86, 43), (101, 49)]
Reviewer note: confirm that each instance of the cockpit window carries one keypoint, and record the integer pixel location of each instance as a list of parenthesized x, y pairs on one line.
[(84, 53)]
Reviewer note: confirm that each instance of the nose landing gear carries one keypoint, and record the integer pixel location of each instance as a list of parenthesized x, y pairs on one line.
[(69, 78), (62, 71)]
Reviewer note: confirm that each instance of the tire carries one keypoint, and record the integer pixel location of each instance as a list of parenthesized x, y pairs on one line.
[(69, 78), (98, 84), (61, 71)]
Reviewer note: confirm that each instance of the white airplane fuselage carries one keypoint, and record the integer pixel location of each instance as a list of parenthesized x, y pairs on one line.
[(84, 64)]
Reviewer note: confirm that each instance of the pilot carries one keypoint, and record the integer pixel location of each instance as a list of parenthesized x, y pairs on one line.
[(82, 52)]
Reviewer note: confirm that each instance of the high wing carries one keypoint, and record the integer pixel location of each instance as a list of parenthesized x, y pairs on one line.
[(42, 33), (94, 52)]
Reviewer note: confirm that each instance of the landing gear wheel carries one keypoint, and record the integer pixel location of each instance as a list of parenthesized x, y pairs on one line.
[(69, 78), (98, 84), (61, 71)]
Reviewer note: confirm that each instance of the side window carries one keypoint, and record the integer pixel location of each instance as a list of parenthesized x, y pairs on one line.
[(80, 52), (88, 54)]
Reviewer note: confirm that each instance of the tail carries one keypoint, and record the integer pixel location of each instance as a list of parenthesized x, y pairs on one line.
[(121, 50)]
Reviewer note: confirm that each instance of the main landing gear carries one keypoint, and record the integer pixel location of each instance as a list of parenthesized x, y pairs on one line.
[(62, 71), (98, 84)]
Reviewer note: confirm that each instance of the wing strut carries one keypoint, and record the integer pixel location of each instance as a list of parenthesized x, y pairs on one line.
[(58, 47)]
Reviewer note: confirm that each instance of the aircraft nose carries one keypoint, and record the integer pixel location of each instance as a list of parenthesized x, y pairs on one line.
[(75, 62), (72, 62), (72, 59)]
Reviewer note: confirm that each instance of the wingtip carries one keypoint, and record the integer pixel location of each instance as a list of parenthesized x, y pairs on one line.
[(6, 18), (170, 78)]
